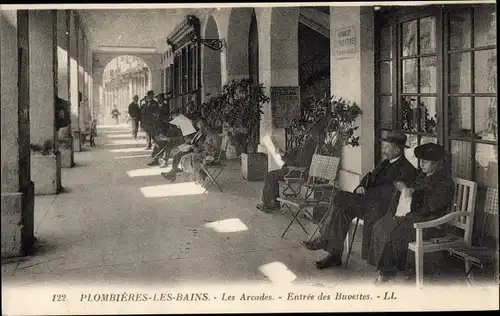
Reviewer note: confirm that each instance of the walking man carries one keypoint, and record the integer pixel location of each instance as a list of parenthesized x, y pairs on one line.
[(135, 114)]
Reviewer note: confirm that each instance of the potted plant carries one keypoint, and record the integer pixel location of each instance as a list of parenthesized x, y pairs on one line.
[(337, 116), (241, 112)]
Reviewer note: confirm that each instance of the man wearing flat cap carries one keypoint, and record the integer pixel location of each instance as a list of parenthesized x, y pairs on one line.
[(428, 198), (369, 201)]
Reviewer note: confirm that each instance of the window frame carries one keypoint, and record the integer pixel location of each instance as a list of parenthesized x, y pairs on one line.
[(394, 18)]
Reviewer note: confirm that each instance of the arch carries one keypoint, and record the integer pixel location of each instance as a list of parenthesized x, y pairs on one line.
[(120, 95), (237, 42), (212, 77)]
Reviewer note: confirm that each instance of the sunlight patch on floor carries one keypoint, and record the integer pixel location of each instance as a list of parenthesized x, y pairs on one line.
[(114, 142), (174, 189), (114, 126), (129, 150), (134, 156), (154, 171), (127, 135), (230, 225), (277, 272)]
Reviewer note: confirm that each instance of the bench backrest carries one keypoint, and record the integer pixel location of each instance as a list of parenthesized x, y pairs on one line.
[(464, 200), (324, 167)]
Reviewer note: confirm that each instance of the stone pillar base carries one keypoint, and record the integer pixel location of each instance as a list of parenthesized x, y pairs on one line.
[(18, 222), (77, 146), (67, 158), (46, 173)]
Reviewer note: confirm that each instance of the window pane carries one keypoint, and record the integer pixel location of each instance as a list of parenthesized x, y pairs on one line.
[(386, 43), (386, 112), (460, 116), (428, 115), (427, 35), (386, 77), (410, 75), (461, 156), (412, 142), (460, 70), (485, 119), (409, 35), (409, 114), (485, 33), (487, 165), (485, 71), (460, 30), (428, 75)]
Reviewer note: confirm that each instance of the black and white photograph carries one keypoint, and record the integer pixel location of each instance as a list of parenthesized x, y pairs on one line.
[(263, 157)]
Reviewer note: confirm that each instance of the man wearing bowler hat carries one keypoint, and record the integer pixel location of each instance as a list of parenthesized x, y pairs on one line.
[(369, 201), (426, 199)]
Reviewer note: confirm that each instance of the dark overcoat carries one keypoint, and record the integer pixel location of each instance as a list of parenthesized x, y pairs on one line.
[(379, 188), (431, 199), (150, 117)]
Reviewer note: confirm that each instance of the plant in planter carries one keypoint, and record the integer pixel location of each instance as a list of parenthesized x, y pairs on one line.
[(242, 113), (211, 111), (45, 149), (337, 116)]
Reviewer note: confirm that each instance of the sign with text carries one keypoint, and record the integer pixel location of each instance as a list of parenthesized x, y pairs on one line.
[(285, 105), (345, 43)]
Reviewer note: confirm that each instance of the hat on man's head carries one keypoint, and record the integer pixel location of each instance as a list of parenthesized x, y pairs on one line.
[(396, 138), (430, 151), (151, 92)]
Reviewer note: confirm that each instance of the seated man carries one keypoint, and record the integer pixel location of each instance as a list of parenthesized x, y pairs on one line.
[(206, 153), (369, 201), (166, 143), (191, 142), (299, 157), (428, 198)]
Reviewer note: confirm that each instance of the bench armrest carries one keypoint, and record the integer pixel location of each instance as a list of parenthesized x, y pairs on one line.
[(442, 220), (301, 169)]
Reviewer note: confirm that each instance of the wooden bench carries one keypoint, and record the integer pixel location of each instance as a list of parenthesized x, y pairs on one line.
[(460, 216)]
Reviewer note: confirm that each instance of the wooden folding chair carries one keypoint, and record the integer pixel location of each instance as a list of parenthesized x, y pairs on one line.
[(293, 184), (322, 168), (215, 168)]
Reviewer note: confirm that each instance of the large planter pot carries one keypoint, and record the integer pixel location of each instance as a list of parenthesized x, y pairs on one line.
[(254, 166)]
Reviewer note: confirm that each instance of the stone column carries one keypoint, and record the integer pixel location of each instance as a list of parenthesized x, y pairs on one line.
[(46, 161), (353, 79), (64, 85), (74, 78), (17, 195), (130, 89), (278, 66)]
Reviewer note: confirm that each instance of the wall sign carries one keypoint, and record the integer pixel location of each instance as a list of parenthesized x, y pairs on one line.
[(285, 105), (345, 43)]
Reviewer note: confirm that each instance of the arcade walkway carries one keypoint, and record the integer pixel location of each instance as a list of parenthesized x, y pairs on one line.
[(118, 221)]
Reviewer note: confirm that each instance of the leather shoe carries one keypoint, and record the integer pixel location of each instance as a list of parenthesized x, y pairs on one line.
[(332, 260)]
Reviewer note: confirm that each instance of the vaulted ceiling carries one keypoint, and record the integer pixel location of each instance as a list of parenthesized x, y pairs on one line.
[(130, 28)]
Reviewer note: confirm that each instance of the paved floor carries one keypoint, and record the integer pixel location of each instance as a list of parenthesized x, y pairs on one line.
[(119, 221)]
